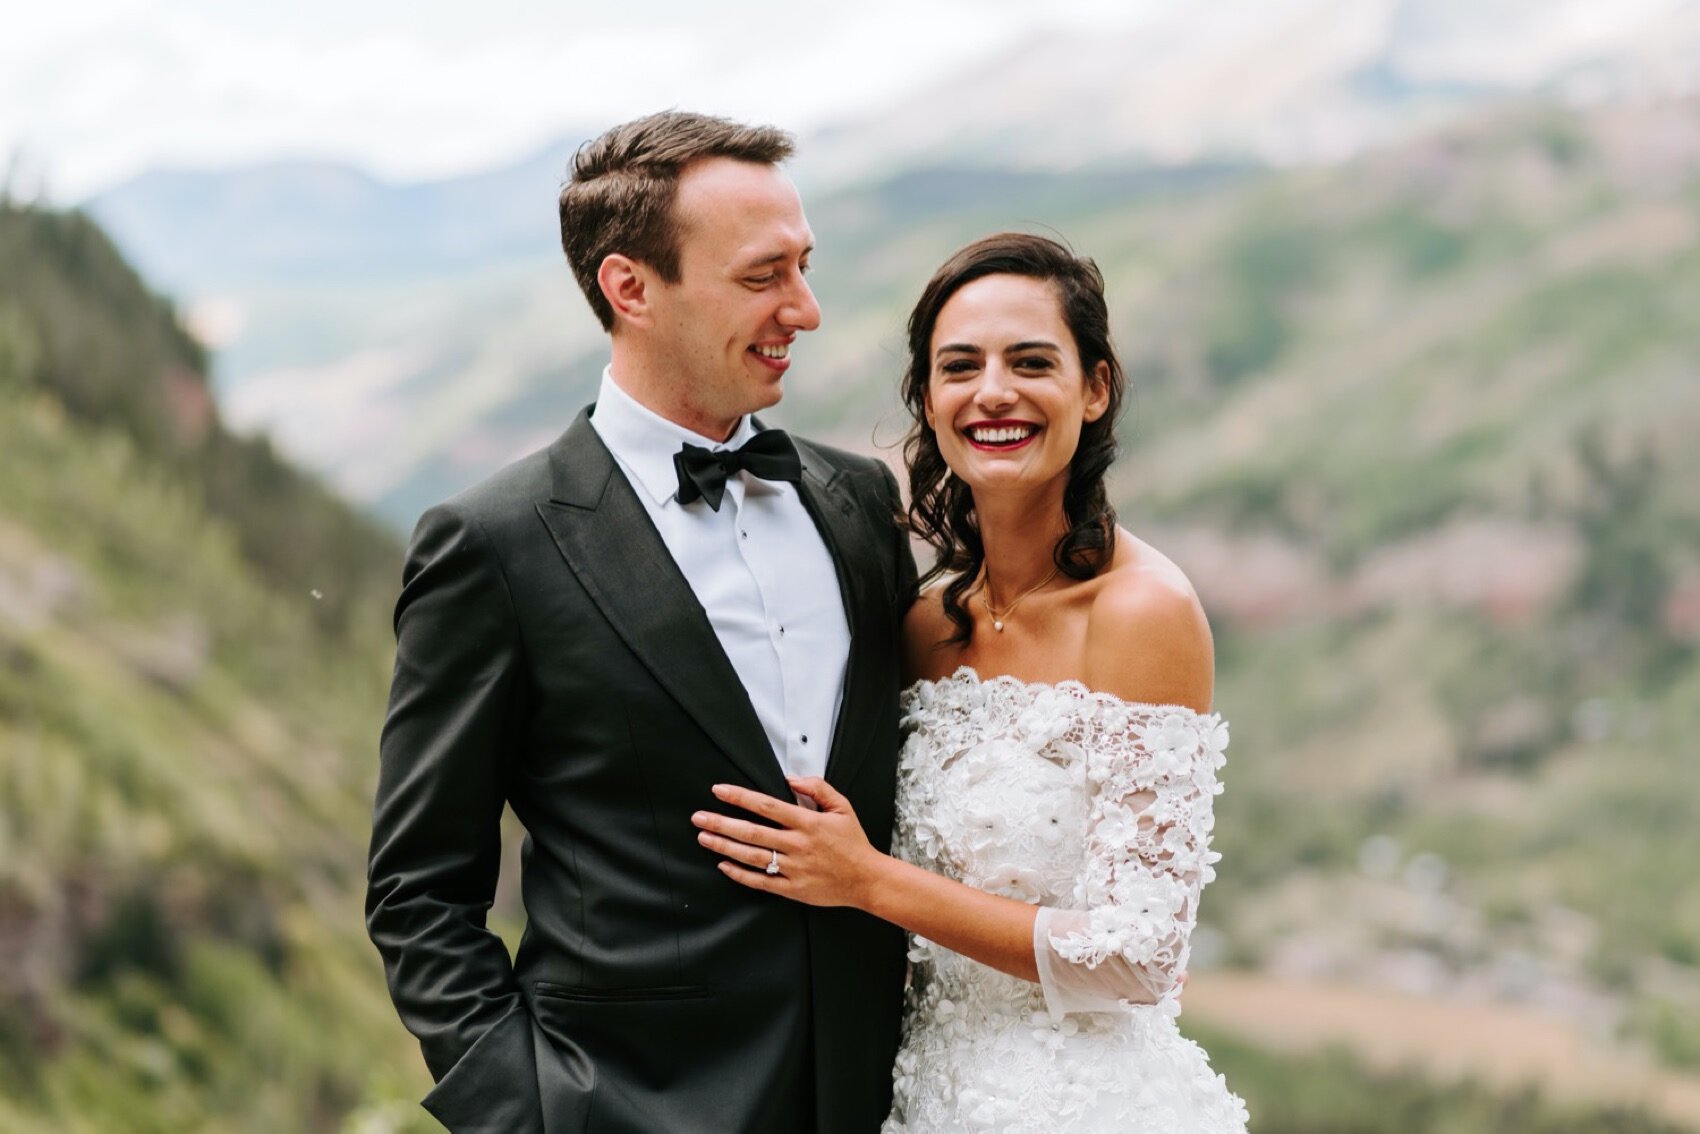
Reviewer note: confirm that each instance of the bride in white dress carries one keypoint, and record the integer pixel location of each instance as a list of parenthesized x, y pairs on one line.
[(1055, 791)]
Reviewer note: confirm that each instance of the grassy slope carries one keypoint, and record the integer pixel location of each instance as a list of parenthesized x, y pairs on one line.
[(184, 784), (1507, 347)]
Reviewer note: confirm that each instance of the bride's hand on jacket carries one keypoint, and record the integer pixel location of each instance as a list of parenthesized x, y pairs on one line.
[(823, 857)]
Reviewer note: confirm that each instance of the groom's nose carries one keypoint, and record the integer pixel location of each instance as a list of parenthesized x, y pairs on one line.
[(800, 312)]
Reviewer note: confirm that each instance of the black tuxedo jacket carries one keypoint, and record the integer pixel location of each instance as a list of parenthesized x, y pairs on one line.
[(551, 656)]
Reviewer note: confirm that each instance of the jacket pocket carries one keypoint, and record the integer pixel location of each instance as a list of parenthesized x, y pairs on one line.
[(621, 995)]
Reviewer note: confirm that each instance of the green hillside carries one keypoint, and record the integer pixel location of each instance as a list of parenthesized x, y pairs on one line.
[(193, 658), (1452, 394)]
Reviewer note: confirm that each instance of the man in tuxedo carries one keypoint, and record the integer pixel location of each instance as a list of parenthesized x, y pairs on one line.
[(668, 597)]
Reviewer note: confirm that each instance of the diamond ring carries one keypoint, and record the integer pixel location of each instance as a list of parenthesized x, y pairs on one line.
[(773, 863)]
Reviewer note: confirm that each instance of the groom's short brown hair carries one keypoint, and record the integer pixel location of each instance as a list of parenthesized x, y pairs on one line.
[(619, 193)]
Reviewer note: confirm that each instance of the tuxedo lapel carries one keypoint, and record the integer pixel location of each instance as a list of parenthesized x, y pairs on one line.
[(611, 545), (833, 509)]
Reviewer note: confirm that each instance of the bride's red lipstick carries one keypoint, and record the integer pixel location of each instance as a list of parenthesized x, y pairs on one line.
[(1021, 433)]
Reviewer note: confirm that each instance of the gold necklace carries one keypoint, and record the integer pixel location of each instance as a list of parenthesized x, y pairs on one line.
[(998, 616)]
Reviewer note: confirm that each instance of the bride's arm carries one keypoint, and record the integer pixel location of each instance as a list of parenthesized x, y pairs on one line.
[(826, 860), (1147, 859), (1152, 778)]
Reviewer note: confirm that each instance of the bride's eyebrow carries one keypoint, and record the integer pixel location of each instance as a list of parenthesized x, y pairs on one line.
[(1012, 348)]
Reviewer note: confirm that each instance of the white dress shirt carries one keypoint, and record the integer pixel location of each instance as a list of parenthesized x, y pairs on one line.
[(760, 570)]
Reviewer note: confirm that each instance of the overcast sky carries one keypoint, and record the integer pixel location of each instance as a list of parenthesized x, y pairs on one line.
[(94, 91)]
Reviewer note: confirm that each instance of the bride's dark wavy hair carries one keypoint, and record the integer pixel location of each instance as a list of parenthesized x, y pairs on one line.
[(941, 508)]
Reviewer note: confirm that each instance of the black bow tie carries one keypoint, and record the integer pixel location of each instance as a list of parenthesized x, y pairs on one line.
[(770, 455)]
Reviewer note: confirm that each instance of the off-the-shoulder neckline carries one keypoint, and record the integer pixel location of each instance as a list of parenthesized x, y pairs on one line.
[(967, 675)]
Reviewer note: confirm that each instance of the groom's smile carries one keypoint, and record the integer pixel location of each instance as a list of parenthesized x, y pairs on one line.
[(777, 356)]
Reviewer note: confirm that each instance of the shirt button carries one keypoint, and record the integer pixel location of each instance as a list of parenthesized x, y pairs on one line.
[(742, 534), (805, 740), (782, 630)]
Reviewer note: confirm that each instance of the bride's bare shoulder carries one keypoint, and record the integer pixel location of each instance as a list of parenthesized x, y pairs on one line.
[(928, 653), (1147, 637)]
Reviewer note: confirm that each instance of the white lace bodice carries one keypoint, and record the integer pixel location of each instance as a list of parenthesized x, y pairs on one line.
[(1099, 811)]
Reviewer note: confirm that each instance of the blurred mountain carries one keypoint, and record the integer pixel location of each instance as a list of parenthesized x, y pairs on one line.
[(193, 656), (1419, 428), (1284, 82), (365, 296), (193, 231)]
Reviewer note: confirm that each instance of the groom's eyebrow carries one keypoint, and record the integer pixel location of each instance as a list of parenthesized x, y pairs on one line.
[(776, 257)]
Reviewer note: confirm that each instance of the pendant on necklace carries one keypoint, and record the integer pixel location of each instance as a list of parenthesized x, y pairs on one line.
[(998, 626)]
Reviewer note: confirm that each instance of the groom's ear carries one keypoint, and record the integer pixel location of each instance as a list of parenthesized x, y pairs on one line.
[(625, 285)]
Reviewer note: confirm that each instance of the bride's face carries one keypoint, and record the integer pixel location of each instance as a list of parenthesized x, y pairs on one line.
[(1006, 394)]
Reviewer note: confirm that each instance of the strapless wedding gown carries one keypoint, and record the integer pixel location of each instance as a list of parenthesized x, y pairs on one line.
[(1099, 811)]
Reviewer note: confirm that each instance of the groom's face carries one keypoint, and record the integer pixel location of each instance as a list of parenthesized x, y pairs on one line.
[(728, 323)]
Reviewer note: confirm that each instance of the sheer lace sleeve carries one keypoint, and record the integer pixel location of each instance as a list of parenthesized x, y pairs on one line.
[(1152, 777)]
